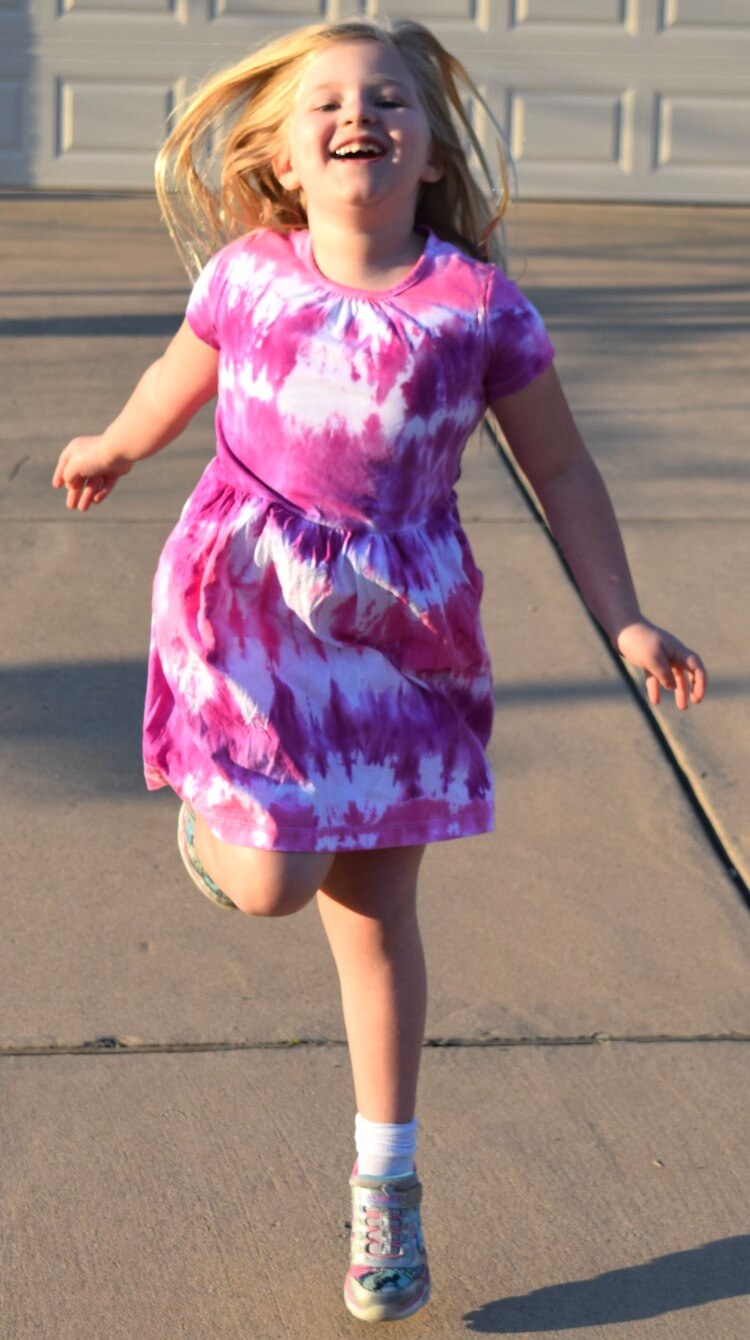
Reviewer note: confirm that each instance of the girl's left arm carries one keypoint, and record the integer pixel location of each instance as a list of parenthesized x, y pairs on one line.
[(541, 432)]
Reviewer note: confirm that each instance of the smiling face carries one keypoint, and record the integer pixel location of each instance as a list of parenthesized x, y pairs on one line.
[(358, 137)]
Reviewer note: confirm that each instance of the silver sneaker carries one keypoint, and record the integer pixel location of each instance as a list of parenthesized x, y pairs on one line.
[(388, 1275), (202, 880)]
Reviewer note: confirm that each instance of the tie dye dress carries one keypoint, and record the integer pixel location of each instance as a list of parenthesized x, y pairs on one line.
[(318, 676)]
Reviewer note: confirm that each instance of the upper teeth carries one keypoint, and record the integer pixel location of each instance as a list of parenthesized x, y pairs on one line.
[(357, 149)]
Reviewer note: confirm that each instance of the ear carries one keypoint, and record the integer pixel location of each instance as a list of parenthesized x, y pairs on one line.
[(285, 174), (281, 164), (435, 168)]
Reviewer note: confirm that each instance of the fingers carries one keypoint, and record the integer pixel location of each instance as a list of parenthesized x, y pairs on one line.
[(678, 669), (696, 672), (65, 476), (95, 490), (660, 672), (76, 486), (680, 689), (88, 492), (652, 689), (83, 491), (689, 674), (58, 478), (103, 491), (78, 470)]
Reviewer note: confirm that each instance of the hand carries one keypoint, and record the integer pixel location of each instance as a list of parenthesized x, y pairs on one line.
[(88, 471), (668, 663)]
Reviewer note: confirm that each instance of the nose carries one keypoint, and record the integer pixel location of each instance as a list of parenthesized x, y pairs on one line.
[(357, 108)]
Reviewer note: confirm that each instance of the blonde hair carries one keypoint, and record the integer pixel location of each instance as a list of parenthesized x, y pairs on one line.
[(238, 118)]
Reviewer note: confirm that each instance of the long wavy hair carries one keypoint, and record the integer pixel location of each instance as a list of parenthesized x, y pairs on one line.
[(236, 123)]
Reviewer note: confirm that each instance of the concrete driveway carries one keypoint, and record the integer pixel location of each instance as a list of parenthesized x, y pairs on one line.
[(177, 1107)]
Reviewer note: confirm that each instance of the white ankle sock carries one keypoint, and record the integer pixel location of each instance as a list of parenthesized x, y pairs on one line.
[(385, 1149)]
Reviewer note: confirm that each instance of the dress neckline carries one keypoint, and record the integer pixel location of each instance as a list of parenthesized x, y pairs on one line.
[(303, 240)]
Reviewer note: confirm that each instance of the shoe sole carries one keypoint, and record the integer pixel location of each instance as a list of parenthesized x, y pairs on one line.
[(182, 847)]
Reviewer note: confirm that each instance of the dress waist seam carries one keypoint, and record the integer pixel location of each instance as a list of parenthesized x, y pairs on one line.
[(257, 489)]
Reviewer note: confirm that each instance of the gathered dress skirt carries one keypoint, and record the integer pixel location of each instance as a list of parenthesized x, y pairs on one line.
[(313, 687)]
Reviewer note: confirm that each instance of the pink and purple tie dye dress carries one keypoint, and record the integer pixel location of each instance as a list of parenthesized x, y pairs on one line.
[(318, 676)]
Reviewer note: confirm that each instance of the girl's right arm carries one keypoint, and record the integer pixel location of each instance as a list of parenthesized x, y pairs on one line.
[(169, 394)]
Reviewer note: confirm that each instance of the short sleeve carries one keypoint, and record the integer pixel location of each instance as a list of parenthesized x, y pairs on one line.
[(203, 311), (518, 347)]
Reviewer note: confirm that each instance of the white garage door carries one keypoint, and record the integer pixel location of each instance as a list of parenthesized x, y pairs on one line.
[(600, 99)]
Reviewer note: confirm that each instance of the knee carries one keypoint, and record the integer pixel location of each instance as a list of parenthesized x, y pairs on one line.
[(259, 903), (269, 898), (260, 883)]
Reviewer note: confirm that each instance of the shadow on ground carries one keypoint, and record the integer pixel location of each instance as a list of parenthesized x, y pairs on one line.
[(74, 730), (666, 1284), (80, 723)]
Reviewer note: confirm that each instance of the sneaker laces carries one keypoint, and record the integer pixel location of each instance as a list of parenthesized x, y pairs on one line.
[(385, 1236)]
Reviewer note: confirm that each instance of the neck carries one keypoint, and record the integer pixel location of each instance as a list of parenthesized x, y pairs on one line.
[(340, 249)]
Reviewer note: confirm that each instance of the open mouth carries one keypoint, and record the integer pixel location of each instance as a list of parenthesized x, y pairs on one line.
[(366, 154)]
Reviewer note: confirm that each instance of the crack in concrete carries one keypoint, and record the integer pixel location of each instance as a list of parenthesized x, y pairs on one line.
[(109, 1046)]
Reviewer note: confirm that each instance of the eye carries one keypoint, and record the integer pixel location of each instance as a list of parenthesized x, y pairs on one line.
[(390, 102)]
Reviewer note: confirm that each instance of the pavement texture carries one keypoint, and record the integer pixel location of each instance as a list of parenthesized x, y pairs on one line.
[(177, 1104)]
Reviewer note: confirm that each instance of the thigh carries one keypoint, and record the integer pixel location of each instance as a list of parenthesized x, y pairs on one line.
[(261, 883)]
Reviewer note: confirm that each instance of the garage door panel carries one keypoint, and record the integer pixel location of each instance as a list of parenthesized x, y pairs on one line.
[(123, 117), (702, 14), (100, 120), (561, 13), (471, 13), (265, 9), (566, 127), (702, 132), (125, 9)]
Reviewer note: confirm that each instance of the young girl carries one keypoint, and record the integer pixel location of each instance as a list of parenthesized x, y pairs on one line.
[(319, 692)]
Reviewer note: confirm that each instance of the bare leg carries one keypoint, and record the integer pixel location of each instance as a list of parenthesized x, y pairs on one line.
[(261, 883), (367, 904)]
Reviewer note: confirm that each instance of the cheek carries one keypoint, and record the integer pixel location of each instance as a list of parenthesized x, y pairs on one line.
[(308, 148), (420, 136)]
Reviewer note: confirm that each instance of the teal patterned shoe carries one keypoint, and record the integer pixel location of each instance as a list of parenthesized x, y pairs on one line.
[(388, 1276), (185, 831)]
